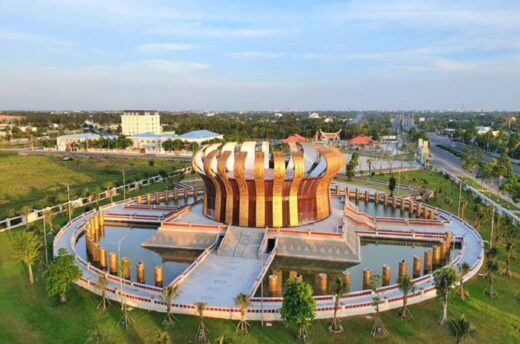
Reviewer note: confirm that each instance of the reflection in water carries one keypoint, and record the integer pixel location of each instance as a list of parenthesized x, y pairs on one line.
[(174, 261), (374, 254)]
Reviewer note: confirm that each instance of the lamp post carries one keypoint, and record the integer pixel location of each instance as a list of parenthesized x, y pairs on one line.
[(460, 197), (120, 272), (492, 227), (68, 200), (45, 237)]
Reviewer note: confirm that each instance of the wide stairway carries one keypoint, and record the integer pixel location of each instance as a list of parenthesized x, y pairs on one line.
[(242, 243)]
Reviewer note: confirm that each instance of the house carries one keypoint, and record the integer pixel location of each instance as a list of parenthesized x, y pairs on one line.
[(294, 138), (314, 115), (64, 143), (361, 141)]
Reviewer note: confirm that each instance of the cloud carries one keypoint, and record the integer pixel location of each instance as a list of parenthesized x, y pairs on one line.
[(154, 48), (200, 29), (257, 54)]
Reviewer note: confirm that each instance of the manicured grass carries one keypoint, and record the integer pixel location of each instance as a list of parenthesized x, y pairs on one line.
[(27, 180), (28, 316)]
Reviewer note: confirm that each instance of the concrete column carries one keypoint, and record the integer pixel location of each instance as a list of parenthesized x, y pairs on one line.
[(148, 199), (347, 192), (403, 269), (376, 198), (157, 198), (385, 202), (416, 266), (139, 199), (402, 204), (322, 282), (166, 196), (103, 258), (337, 189), (101, 219), (367, 276), (387, 273), (112, 259), (419, 209), (186, 192), (175, 193), (273, 285), (125, 265), (158, 270), (139, 268), (411, 206), (394, 202), (436, 255), (427, 262), (425, 212), (357, 194), (432, 214), (366, 196), (346, 279)]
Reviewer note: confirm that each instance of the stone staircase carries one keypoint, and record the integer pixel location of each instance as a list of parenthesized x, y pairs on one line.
[(241, 243)]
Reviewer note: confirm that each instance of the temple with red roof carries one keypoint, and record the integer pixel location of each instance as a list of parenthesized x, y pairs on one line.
[(361, 140), (295, 138)]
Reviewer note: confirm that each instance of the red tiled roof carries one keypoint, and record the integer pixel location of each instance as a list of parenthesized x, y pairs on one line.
[(361, 140), (295, 138)]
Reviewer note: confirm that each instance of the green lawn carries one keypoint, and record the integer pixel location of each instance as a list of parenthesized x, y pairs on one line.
[(28, 316), (37, 180)]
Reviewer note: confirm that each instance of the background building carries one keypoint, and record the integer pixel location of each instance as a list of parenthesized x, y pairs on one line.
[(140, 122)]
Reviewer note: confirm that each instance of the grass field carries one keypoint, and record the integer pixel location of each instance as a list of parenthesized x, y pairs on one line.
[(35, 180), (28, 316)]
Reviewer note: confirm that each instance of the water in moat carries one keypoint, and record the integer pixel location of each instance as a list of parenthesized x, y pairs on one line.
[(174, 261), (380, 210), (374, 254)]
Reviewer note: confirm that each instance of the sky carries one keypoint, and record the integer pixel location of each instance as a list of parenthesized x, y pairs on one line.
[(259, 55)]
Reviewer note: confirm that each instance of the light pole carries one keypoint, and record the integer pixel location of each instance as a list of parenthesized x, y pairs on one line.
[(460, 196), (45, 236), (68, 200), (120, 272), (492, 226)]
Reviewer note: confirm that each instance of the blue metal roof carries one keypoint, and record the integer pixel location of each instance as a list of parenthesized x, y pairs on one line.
[(198, 134)]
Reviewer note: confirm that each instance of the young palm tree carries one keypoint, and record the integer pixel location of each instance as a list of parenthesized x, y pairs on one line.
[(464, 269), (26, 210), (169, 294), (378, 329), (510, 245), (463, 206), (406, 286), (444, 279), (492, 268), (48, 217), (461, 328), (242, 300), (162, 337), (102, 283), (27, 247), (339, 288), (202, 332), (98, 336)]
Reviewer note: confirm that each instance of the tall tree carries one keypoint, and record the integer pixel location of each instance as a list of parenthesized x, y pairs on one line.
[(242, 300), (27, 247), (298, 307), (492, 268), (169, 294), (378, 329), (510, 245), (338, 289), (48, 217), (406, 286), (61, 274), (461, 328), (351, 166), (391, 185), (444, 280)]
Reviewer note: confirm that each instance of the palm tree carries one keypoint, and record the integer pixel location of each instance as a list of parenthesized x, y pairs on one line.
[(339, 288), (202, 332), (461, 328), (463, 206), (27, 247), (492, 267), (48, 217), (378, 329), (510, 244), (243, 301), (162, 337), (406, 286), (98, 336), (102, 283), (464, 269), (169, 293), (26, 210), (444, 279)]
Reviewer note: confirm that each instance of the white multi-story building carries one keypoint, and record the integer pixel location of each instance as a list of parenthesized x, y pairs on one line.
[(135, 122)]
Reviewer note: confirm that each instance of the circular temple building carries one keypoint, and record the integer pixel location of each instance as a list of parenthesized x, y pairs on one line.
[(249, 185)]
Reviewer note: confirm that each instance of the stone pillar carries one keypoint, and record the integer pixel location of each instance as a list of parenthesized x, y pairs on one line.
[(427, 262), (425, 212), (157, 198), (273, 285), (376, 198), (367, 276), (112, 259), (166, 196), (394, 202), (148, 199), (347, 192), (402, 204), (139, 199), (186, 192), (357, 194), (385, 202), (366, 196), (411, 206), (337, 189), (432, 214), (95, 252), (125, 266), (158, 270), (403, 269), (139, 268), (101, 219), (387, 273), (346, 279), (175, 193), (322, 282), (436, 255), (419, 209), (299, 278), (103, 258), (416, 266)]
